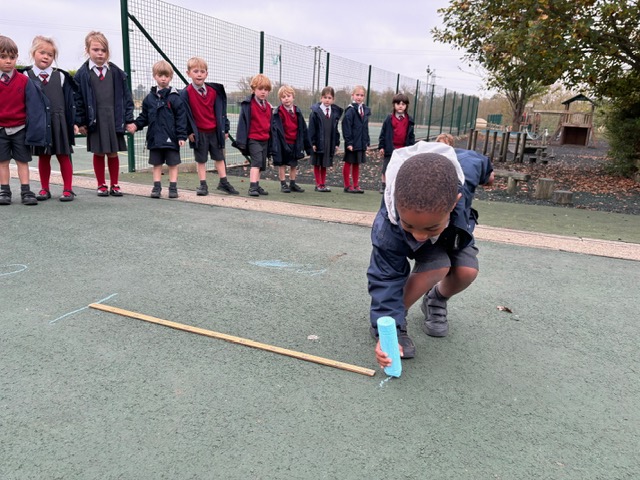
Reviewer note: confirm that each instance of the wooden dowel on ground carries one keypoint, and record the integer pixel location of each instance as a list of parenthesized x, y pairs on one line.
[(239, 340)]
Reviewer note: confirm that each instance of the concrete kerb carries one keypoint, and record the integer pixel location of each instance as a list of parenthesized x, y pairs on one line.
[(587, 246)]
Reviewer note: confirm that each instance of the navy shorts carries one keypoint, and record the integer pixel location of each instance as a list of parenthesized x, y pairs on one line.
[(437, 257), (287, 158), (207, 145), (13, 146), (258, 153), (158, 156)]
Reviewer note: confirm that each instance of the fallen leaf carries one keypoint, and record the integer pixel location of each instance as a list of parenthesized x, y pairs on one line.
[(502, 308)]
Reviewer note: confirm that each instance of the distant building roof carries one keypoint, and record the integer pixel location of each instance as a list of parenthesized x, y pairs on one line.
[(578, 98)]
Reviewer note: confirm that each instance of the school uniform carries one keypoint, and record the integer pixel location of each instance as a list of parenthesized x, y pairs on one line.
[(66, 108), (253, 135), (215, 103), (395, 133), (289, 136), (355, 130), (109, 107), (477, 170), (324, 134)]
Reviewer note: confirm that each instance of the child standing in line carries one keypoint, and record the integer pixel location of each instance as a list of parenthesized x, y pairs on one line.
[(109, 108), (324, 136), (397, 132), (209, 126), (65, 108), (290, 139), (20, 99), (164, 112), (423, 218), (355, 129), (254, 131)]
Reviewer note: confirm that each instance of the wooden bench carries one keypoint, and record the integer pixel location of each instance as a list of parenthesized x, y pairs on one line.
[(512, 179)]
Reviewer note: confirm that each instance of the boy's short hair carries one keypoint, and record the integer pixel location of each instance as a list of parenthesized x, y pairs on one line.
[(286, 90), (99, 37), (162, 67), (38, 40), (359, 87), (401, 97), (260, 81), (446, 138), (8, 47), (427, 182), (197, 62), (328, 91)]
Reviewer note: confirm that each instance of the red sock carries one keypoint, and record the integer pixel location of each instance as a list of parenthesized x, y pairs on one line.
[(346, 173), (44, 167), (98, 168), (355, 171), (66, 169), (317, 174), (323, 175), (114, 169)]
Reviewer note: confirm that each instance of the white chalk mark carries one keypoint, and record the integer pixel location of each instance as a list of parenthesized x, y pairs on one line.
[(80, 309), (297, 267), (385, 381), (20, 268)]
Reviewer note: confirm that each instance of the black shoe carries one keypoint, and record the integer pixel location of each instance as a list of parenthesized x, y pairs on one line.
[(114, 191), (284, 188), (408, 347), (203, 190), (350, 190), (103, 191), (262, 191), (253, 192), (321, 188), (29, 198), (357, 190), (173, 193), (5, 197), (227, 187), (43, 195), (156, 192), (67, 196), (295, 188)]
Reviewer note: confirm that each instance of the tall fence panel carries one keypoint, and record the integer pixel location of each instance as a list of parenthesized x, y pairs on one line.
[(159, 30)]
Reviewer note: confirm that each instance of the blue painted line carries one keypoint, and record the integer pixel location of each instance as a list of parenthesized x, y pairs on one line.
[(21, 268), (80, 309), (297, 267)]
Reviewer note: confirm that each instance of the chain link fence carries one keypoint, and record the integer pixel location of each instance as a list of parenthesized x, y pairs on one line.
[(155, 30)]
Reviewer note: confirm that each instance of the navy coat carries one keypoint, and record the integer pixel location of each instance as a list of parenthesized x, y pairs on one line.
[(244, 121), (477, 169), (279, 146), (219, 110), (355, 129), (73, 105), (385, 140), (166, 117), (123, 107), (316, 131)]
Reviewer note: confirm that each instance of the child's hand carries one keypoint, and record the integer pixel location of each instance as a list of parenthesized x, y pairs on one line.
[(350, 148), (181, 143), (76, 130), (82, 130), (192, 137), (337, 149), (131, 128), (382, 358), (314, 148)]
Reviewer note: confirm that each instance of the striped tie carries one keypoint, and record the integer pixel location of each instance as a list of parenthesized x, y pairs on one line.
[(5, 78), (100, 75)]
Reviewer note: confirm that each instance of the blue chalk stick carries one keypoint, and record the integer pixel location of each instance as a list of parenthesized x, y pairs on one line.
[(389, 344)]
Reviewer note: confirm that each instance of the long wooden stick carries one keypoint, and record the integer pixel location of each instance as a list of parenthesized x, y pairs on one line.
[(238, 340)]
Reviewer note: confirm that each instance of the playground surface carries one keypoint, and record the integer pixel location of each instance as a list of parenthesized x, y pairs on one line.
[(548, 390)]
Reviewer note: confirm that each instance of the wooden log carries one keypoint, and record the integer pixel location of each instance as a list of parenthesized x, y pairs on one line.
[(486, 142), (494, 139), (475, 140), (521, 177), (517, 147), (563, 197), (512, 186), (544, 188), (470, 139), (238, 340)]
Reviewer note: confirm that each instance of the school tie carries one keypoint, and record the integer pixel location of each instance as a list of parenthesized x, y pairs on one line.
[(100, 74), (5, 78), (326, 113), (44, 77), (400, 117), (202, 91), (361, 110), (292, 113)]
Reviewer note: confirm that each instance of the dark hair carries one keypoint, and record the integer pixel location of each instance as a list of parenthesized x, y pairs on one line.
[(8, 47), (328, 90), (427, 182), (401, 97)]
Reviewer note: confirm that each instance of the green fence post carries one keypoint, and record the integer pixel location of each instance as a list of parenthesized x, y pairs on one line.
[(261, 52), (459, 119), (415, 103), (326, 76), (124, 22), (444, 104), (433, 88), (398, 84), (368, 87), (453, 109)]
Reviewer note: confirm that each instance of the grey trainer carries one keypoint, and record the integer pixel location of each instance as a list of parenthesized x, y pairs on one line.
[(434, 308)]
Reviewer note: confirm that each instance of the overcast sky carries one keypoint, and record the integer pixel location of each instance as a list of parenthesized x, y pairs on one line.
[(393, 36)]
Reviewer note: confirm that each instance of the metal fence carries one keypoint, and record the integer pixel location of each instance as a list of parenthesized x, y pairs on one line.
[(155, 30)]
